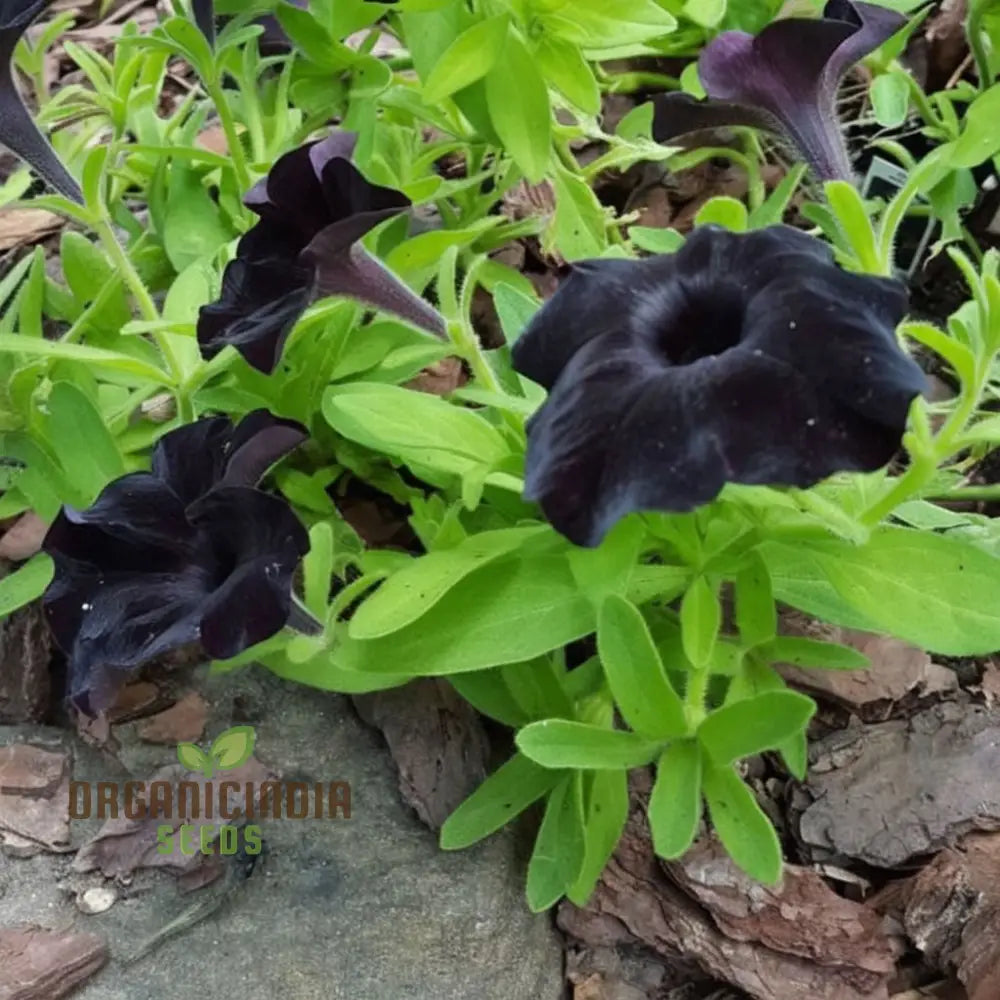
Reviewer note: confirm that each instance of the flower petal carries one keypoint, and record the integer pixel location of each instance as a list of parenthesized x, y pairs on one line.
[(18, 131), (263, 541), (259, 441), (592, 301), (354, 272), (121, 620), (745, 358), (261, 302), (677, 114), (204, 17), (136, 523), (874, 25)]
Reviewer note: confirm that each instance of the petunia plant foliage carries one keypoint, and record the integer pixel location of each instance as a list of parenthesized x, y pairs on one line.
[(315, 275)]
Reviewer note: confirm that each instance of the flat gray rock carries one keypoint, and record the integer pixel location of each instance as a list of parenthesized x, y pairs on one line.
[(362, 909)]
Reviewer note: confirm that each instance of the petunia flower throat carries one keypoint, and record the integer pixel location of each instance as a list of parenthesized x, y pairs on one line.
[(314, 207), (18, 131), (190, 551), (783, 81), (745, 358)]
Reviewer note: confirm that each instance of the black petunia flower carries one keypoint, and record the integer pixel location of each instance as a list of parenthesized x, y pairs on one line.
[(18, 131), (314, 207), (190, 551), (783, 81), (739, 359)]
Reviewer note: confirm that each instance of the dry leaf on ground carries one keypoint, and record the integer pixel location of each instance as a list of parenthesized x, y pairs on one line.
[(24, 226), (181, 723), (24, 537), (887, 793), (34, 798), (40, 964), (436, 740)]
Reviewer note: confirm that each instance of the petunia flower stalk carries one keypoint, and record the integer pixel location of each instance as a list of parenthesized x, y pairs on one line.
[(783, 81), (18, 131), (314, 207), (191, 551), (742, 358)]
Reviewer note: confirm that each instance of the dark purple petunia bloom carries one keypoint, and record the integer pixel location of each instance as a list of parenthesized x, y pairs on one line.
[(204, 17), (783, 81), (739, 359), (314, 207), (190, 551), (18, 131)]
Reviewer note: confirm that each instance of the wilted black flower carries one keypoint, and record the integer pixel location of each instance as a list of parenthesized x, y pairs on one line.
[(314, 207), (17, 130), (783, 81), (739, 359), (189, 551)]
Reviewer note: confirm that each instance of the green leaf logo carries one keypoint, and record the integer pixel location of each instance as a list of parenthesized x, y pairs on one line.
[(193, 758), (231, 749)]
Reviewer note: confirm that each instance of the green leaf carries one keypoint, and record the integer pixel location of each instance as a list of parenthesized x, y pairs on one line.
[(606, 800), (514, 309), (506, 612), (801, 652), (750, 726), (608, 568), (75, 431), (317, 568), (193, 228), (756, 615), (675, 803), (469, 58), (414, 426), (890, 97), (559, 848), (559, 743), (25, 584), (652, 239), (489, 694), (84, 265), (415, 589), (604, 24), (232, 748), (577, 227), (503, 795), (742, 826), (701, 618), (524, 125), (143, 373), (979, 139), (192, 757), (723, 211), (707, 13), (933, 590), (564, 67), (635, 674), (538, 686)]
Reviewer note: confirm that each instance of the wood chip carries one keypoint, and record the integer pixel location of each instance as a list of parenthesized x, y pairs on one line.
[(437, 741), (25, 651), (897, 668), (34, 797), (953, 914), (636, 904), (888, 793), (40, 964)]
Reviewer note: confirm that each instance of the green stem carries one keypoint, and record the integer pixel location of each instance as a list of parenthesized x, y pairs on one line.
[(695, 696), (974, 32), (972, 494), (228, 122)]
